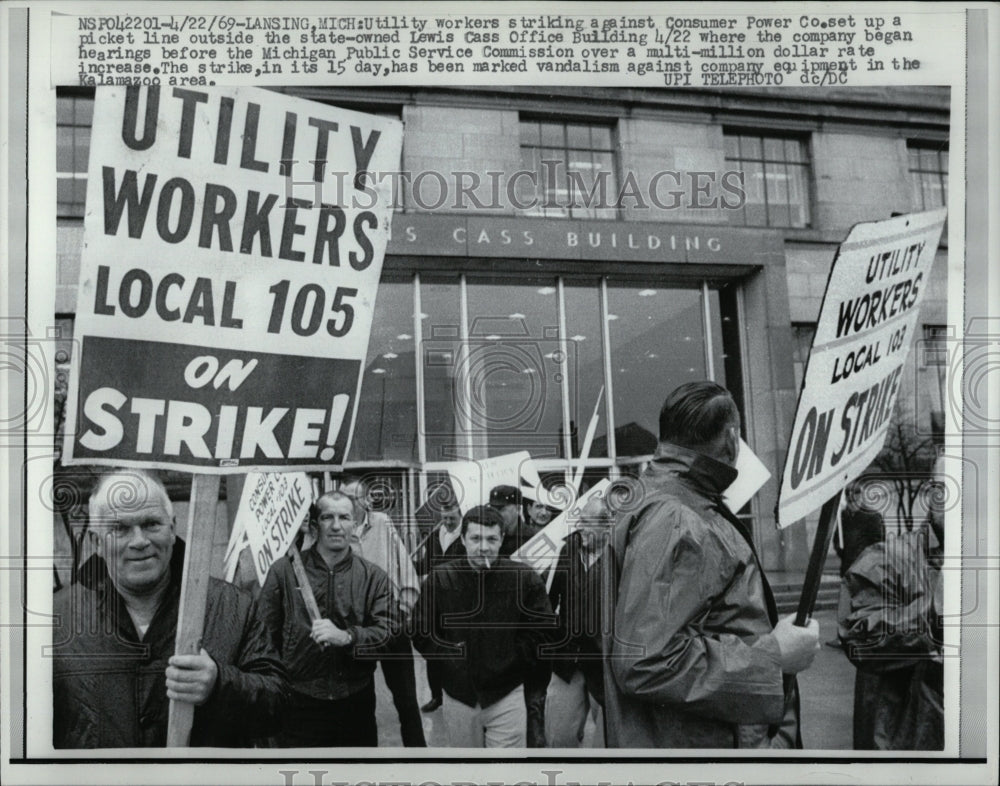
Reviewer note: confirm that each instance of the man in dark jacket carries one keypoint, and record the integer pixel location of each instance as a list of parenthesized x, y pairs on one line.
[(114, 668), (576, 690), (484, 619), (889, 623), (444, 544), (697, 656), (330, 660), (508, 502), (444, 541)]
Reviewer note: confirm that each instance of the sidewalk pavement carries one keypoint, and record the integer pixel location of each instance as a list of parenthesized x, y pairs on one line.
[(827, 699)]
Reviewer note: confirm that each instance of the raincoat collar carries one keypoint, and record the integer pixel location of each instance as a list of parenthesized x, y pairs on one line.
[(706, 475)]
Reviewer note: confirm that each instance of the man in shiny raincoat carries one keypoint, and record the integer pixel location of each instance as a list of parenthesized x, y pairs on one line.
[(695, 654)]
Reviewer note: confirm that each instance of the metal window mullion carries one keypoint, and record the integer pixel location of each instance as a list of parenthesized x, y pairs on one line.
[(748, 420), (706, 326), (412, 504), (462, 366), (763, 169), (418, 375), (609, 405), (592, 212), (564, 384)]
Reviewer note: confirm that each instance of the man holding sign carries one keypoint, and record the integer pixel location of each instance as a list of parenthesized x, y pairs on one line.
[(696, 655), (114, 667), (233, 241), (333, 695)]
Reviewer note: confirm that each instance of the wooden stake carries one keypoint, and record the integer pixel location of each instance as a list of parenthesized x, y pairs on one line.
[(194, 593), (821, 545), (304, 587)]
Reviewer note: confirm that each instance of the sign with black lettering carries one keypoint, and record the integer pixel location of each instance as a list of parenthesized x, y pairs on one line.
[(272, 509), (866, 325), (233, 243)]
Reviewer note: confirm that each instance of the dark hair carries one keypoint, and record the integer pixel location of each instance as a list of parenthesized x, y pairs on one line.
[(697, 413), (526, 509), (861, 528), (484, 516)]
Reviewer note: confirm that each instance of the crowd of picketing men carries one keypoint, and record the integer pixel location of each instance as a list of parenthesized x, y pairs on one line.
[(657, 630)]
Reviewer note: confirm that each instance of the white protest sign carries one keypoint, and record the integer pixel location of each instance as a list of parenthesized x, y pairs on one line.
[(752, 475), (237, 543), (272, 509), (541, 551), (472, 480), (865, 328), (233, 243)]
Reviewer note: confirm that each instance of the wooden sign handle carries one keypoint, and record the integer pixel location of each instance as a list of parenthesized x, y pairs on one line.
[(303, 580), (814, 573), (194, 593)]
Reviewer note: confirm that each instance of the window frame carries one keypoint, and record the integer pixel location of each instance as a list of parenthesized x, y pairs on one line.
[(76, 174), (918, 175), (541, 193), (805, 166)]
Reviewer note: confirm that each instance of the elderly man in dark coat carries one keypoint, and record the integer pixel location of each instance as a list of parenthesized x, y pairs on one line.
[(114, 667)]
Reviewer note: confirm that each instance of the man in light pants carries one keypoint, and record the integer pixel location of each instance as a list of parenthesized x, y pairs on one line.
[(377, 540), (484, 619), (576, 690)]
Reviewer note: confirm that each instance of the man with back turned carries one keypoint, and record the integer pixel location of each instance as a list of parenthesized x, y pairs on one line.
[(696, 656)]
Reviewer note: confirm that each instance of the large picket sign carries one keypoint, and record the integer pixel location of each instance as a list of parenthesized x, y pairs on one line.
[(866, 325), (233, 243)]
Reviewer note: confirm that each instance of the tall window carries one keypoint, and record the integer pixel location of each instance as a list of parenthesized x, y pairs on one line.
[(803, 334), (928, 174), (574, 170), (934, 363), (74, 115), (775, 178), (386, 427), (523, 362)]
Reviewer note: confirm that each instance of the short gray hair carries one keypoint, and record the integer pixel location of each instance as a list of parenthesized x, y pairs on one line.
[(356, 506), (129, 489)]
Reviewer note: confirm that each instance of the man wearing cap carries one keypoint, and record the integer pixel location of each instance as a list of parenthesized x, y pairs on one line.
[(114, 669), (483, 618)]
